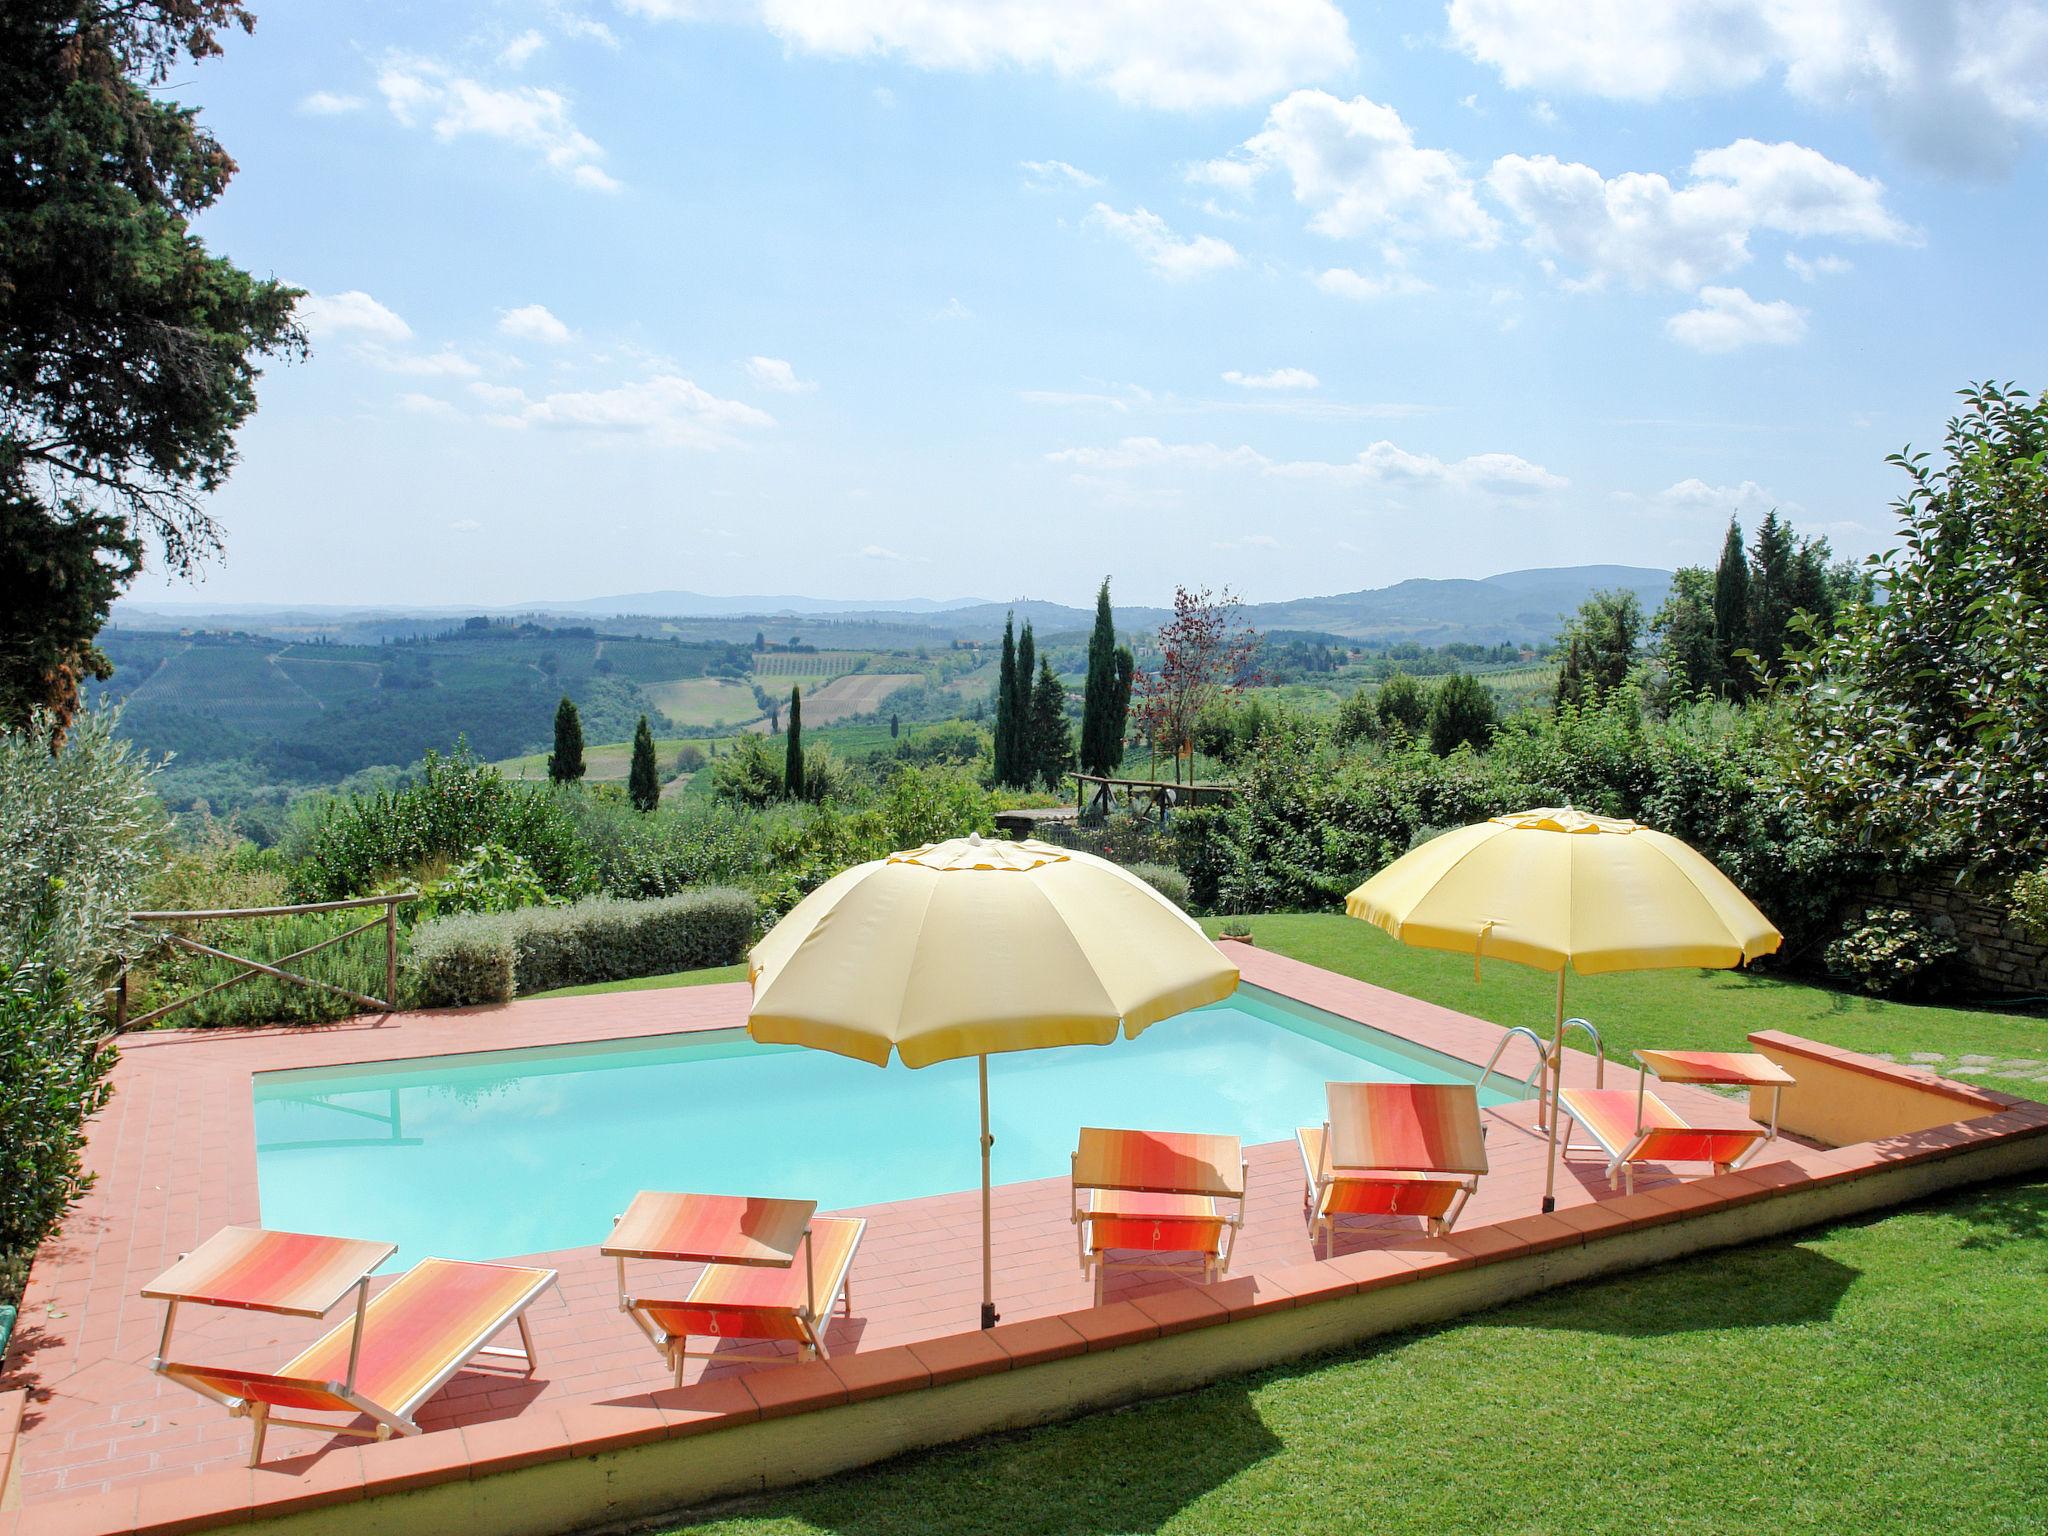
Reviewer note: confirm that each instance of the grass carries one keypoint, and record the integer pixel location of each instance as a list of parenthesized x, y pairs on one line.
[(1705, 1010), (704, 701), (653, 983), (1882, 1375)]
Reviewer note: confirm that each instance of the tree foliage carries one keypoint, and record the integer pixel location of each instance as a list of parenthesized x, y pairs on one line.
[(565, 763), (793, 748), (1205, 654), (1462, 713), (1006, 746), (1599, 646), (127, 351), (1927, 712), (643, 777), (1052, 744), (1106, 698), (1684, 625)]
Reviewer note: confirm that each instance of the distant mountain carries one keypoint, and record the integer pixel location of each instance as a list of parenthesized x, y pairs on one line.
[(1515, 607), (699, 605)]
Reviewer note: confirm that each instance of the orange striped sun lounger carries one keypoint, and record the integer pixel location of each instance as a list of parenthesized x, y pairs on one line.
[(773, 1270), (1146, 1192), (396, 1351), (1392, 1149), (1639, 1127)]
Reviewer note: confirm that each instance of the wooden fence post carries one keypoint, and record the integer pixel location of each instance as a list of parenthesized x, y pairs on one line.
[(391, 956)]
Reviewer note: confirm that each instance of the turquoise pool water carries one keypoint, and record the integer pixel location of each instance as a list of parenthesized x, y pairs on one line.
[(502, 1153)]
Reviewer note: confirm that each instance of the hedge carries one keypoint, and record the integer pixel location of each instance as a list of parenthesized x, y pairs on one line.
[(489, 957)]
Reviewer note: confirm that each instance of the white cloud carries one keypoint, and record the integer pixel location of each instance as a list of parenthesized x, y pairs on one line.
[(1274, 378), (1695, 498), (777, 374), (1153, 53), (1348, 284), (1959, 84), (330, 104), (1729, 319), (1047, 174), (884, 97), (1819, 266), (504, 396), (1356, 164), (1249, 541), (1161, 249), (571, 22), (533, 322), (425, 405), (466, 525), (353, 313), (880, 552), (523, 47), (1544, 113), (1116, 397), (1641, 229), (1383, 463), (444, 364), (667, 408), (419, 91)]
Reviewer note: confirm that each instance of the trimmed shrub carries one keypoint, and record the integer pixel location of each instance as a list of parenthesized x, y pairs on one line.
[(1166, 880), (453, 962), (605, 939), (484, 957)]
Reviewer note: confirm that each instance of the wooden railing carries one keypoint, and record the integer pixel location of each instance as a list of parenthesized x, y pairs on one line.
[(1159, 795), (388, 920)]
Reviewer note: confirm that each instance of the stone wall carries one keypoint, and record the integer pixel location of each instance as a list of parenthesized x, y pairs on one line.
[(1999, 956)]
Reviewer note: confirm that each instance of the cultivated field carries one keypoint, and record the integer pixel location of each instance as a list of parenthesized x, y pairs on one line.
[(704, 701), (858, 693)]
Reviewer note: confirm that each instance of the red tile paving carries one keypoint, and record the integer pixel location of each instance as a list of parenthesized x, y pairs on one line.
[(174, 1155)]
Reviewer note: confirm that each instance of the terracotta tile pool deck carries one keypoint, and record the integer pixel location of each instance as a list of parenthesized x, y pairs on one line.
[(174, 1155)]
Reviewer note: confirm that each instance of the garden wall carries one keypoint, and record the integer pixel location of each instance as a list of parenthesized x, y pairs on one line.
[(1998, 955)]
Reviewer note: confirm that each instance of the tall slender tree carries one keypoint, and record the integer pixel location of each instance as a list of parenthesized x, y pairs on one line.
[(1023, 749), (1006, 703), (1106, 697), (643, 780), (793, 752), (565, 765), (1731, 614), (1052, 743)]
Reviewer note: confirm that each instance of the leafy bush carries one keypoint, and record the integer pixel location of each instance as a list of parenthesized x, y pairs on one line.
[(454, 962), (349, 847), (1166, 880), (1892, 952), (1461, 714), (2028, 902), (52, 1077), (492, 879), (751, 773), (487, 957), (80, 833)]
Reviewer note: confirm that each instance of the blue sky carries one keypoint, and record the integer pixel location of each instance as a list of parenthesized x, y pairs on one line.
[(879, 298)]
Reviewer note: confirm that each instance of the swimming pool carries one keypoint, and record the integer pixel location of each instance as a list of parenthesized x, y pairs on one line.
[(500, 1153)]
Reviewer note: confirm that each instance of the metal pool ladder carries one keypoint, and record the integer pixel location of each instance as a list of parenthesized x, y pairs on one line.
[(1543, 1056)]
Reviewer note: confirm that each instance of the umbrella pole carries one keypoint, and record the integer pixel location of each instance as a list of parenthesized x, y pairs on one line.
[(988, 1271), (1555, 1074)]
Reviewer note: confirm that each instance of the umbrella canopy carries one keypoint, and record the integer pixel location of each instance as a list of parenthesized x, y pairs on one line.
[(972, 948), (1548, 888), (1556, 887)]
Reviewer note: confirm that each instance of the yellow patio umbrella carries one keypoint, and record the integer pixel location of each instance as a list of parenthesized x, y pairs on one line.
[(1558, 887), (970, 948)]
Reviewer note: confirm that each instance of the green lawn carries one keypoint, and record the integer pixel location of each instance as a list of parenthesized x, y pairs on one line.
[(652, 983), (1880, 1376), (1704, 1010)]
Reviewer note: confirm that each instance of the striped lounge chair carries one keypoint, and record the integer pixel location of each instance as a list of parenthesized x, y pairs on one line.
[(1638, 1127), (1392, 1149), (397, 1350), (1157, 1192)]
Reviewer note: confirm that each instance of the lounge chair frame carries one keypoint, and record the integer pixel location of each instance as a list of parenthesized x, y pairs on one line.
[(1210, 1266), (389, 1419)]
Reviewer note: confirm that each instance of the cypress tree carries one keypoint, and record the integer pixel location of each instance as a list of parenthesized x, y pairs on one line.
[(893, 727), (1006, 701), (1099, 692), (1052, 746), (1119, 713), (1773, 576), (1731, 611), (643, 783), (793, 753), (1023, 749), (565, 765)]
